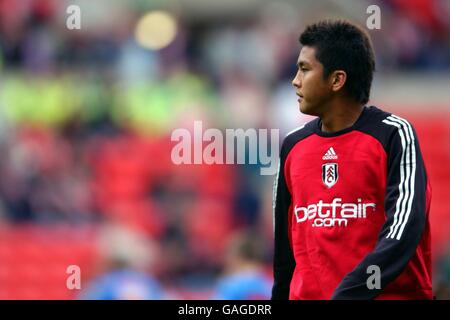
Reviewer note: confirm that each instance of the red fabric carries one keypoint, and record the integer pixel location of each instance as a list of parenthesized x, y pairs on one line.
[(325, 255)]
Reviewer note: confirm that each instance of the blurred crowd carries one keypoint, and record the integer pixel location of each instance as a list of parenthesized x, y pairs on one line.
[(85, 123)]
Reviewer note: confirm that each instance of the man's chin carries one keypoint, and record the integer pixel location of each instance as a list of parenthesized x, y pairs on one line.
[(304, 108), (308, 109)]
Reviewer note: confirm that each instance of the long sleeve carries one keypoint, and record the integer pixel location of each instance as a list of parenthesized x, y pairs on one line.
[(406, 215), (284, 262)]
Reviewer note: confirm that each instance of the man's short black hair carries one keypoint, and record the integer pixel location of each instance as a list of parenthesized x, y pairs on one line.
[(341, 45)]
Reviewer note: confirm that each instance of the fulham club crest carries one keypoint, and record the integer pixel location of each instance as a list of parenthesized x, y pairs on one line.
[(329, 174)]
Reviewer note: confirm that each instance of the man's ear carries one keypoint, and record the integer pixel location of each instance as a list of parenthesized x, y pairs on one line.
[(337, 80)]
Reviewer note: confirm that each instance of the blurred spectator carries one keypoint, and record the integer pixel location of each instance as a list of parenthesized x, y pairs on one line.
[(245, 277), (126, 276), (441, 279)]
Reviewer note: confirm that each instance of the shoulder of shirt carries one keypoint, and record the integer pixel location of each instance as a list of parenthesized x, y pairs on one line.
[(297, 135), (302, 131), (383, 125)]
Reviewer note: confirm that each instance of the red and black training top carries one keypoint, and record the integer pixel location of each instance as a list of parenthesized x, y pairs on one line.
[(349, 206)]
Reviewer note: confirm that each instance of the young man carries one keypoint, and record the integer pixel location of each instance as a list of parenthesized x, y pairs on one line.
[(352, 197)]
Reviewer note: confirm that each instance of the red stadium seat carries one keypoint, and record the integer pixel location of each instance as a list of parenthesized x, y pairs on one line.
[(35, 260)]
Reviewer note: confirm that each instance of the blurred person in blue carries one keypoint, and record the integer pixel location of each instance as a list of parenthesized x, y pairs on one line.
[(244, 277), (128, 257)]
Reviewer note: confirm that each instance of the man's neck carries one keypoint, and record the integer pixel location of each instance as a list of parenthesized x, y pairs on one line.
[(341, 117)]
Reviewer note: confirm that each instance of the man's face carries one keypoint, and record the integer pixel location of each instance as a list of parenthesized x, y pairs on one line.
[(313, 91)]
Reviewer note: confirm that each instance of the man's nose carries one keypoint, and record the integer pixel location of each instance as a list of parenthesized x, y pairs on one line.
[(296, 81)]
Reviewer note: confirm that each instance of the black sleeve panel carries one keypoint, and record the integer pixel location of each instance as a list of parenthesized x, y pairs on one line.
[(284, 263), (405, 207)]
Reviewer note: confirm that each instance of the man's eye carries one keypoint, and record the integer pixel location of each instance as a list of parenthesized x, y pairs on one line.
[(303, 69)]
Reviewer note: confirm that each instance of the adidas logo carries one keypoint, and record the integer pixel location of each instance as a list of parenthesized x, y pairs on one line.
[(330, 155)]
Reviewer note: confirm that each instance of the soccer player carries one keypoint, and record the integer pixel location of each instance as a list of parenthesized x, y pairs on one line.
[(352, 197)]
